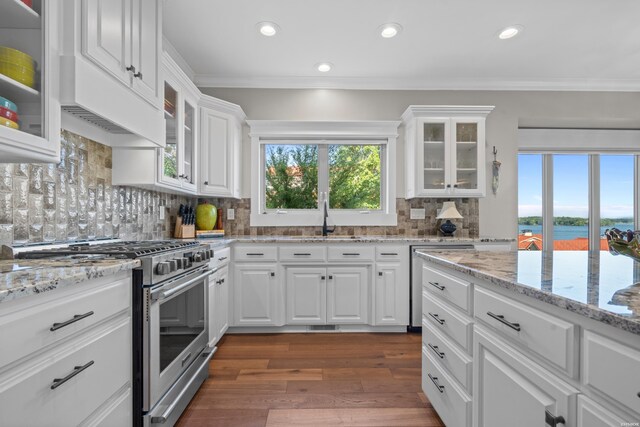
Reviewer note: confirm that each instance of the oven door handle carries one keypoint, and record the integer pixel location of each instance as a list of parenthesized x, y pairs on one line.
[(158, 296)]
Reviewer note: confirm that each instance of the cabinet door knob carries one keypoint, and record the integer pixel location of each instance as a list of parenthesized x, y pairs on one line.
[(206, 183), (138, 75), (131, 68), (380, 273), (330, 277), (272, 274), (448, 185), (322, 277), (455, 185)]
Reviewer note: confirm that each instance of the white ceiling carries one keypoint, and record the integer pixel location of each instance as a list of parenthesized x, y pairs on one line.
[(445, 44)]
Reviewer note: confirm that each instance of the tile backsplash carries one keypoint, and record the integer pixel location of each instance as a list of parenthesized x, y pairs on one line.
[(467, 227), (74, 200)]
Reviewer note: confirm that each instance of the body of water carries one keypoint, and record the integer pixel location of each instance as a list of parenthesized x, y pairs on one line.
[(570, 232)]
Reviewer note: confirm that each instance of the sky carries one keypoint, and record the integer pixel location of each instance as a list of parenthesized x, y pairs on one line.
[(570, 185)]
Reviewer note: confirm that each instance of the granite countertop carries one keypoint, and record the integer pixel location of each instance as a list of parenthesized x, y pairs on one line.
[(20, 278), (597, 285), (360, 239)]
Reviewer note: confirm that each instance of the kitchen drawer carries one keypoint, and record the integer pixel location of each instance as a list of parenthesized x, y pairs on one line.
[(390, 253), (455, 290), (30, 401), (447, 354), (451, 402), (448, 320), (316, 253), (351, 253), (221, 257), (591, 414), (29, 330), (549, 337), (255, 253), (613, 369)]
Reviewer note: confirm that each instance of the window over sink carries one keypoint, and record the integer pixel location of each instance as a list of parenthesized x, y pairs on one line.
[(297, 166)]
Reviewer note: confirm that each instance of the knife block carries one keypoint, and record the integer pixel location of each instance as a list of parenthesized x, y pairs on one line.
[(184, 231)]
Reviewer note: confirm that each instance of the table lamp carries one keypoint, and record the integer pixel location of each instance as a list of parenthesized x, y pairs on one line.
[(448, 212)]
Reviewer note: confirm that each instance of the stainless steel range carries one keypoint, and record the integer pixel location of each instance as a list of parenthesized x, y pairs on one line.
[(170, 327)]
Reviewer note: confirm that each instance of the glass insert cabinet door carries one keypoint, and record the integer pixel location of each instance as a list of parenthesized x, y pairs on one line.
[(189, 143), (171, 152), (465, 139), (433, 151)]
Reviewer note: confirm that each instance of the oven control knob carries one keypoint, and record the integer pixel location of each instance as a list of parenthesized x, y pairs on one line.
[(210, 253), (180, 263), (163, 268), (173, 265), (186, 262), (198, 257)]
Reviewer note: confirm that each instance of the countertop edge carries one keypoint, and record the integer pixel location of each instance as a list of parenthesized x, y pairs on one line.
[(64, 276), (594, 313)]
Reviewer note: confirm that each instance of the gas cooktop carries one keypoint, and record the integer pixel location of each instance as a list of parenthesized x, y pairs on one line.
[(130, 249)]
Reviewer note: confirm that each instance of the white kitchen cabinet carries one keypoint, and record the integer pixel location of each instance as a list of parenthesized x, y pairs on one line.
[(591, 414), (95, 349), (445, 151), (35, 32), (348, 295), (306, 295), (110, 70), (174, 167), (219, 146), (333, 295), (123, 37), (218, 305), (257, 295), (510, 389), (391, 294)]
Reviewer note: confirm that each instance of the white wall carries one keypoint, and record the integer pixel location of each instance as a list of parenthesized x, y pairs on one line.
[(498, 214)]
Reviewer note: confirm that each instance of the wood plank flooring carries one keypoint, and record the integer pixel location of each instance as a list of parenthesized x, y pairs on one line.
[(346, 380)]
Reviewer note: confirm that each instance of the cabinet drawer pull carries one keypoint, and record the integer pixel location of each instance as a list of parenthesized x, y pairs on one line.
[(500, 318), (350, 254), (436, 350), (75, 318), (57, 382), (302, 254), (437, 285), (553, 421), (434, 380), (388, 254), (255, 254), (437, 318), (222, 258)]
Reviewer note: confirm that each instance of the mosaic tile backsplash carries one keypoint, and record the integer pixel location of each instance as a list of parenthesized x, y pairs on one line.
[(469, 226), (74, 200)]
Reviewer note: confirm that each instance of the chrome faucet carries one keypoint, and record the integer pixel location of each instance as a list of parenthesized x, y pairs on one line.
[(326, 230)]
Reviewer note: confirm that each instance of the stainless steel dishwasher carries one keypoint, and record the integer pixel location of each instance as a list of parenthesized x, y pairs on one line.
[(415, 294)]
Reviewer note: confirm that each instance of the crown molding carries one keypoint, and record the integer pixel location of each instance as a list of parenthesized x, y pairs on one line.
[(368, 83), (415, 111), (170, 50), (223, 106)]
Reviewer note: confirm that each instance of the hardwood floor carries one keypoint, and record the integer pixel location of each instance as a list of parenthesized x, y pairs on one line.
[(277, 380)]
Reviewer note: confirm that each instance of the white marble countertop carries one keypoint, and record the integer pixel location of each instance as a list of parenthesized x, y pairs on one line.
[(353, 239), (20, 278), (597, 285)]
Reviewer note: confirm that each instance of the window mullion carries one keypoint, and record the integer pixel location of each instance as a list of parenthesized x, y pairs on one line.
[(323, 173), (594, 202), (547, 202)]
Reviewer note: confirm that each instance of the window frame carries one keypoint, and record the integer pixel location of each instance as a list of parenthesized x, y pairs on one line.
[(323, 134), (550, 142)]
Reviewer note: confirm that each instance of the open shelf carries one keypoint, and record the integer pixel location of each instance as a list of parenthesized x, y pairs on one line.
[(466, 142), (15, 91), (434, 142), (466, 169), (16, 14), (433, 169)]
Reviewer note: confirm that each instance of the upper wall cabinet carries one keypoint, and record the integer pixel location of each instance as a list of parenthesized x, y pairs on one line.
[(220, 147), (445, 150), (111, 74), (174, 167), (29, 104)]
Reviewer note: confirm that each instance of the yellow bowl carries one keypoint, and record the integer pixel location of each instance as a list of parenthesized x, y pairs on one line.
[(18, 73), (17, 57), (9, 123)]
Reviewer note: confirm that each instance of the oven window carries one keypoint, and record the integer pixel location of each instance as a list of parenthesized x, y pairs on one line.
[(181, 322)]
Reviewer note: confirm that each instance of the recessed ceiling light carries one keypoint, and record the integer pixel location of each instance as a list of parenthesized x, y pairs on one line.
[(324, 67), (390, 30), (510, 31), (268, 28)]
